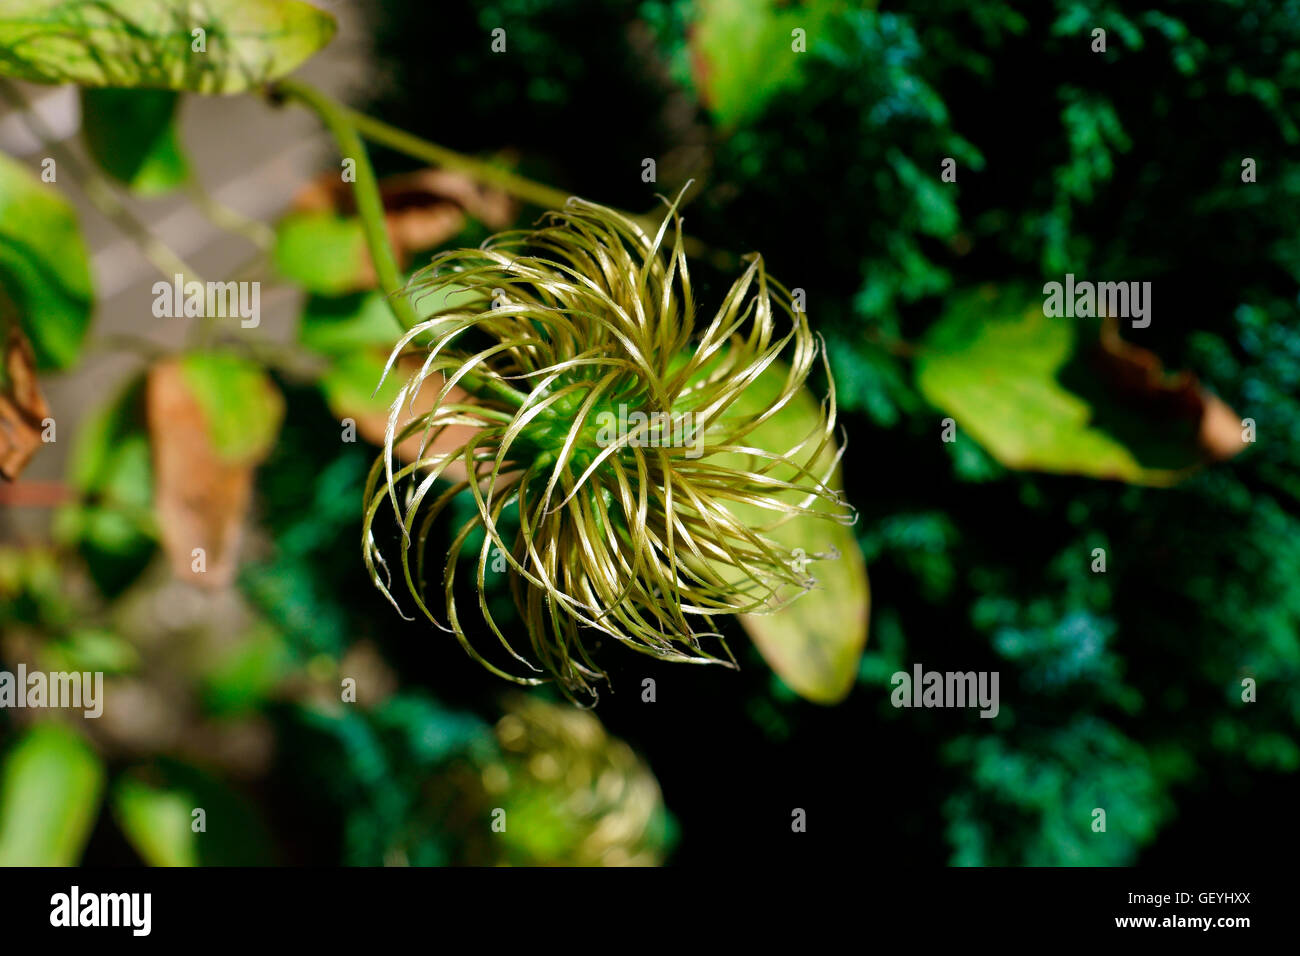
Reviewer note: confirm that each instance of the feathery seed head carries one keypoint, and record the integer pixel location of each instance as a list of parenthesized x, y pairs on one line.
[(613, 429)]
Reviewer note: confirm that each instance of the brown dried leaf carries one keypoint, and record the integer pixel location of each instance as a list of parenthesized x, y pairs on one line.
[(201, 499), (1139, 376), (22, 407)]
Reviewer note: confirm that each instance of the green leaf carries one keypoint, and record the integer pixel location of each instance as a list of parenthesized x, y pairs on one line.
[(49, 797), (349, 385), (112, 524), (815, 643), (241, 406), (132, 135), (744, 52), (246, 676), (217, 46), (93, 649), (1017, 382), (358, 332), (156, 822), (44, 269), (154, 807), (340, 324), (322, 252)]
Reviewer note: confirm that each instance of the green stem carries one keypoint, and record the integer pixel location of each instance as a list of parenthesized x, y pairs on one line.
[(380, 132), (370, 206), (340, 121), (548, 197)]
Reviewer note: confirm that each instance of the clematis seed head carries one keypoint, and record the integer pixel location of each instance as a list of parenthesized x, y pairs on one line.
[(608, 446)]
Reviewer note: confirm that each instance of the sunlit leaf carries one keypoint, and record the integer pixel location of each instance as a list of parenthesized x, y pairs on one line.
[(93, 649), (744, 52), (157, 822), (49, 797), (1051, 394), (155, 808), (322, 252), (337, 325), (813, 644), (214, 46), (241, 407), (348, 329), (350, 387), (44, 269)]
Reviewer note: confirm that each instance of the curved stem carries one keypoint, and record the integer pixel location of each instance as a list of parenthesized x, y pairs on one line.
[(380, 132), (370, 206), (339, 120), (548, 197)]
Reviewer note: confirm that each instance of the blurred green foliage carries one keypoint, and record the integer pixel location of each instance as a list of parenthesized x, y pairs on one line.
[(1121, 691), (1124, 165), (132, 135)]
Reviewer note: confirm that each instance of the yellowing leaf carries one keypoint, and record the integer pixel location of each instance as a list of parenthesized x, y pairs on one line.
[(815, 643), (1061, 395)]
